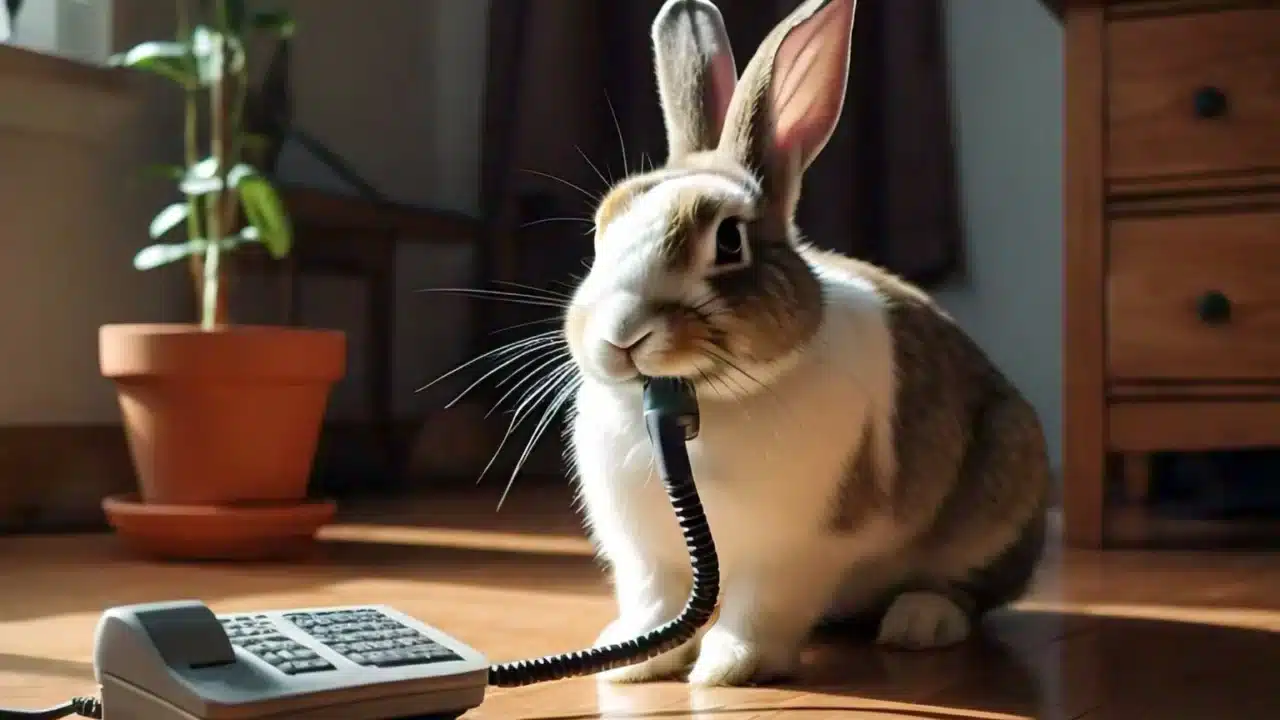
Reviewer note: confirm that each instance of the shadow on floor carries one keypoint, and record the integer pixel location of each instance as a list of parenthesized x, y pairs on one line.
[(1045, 666)]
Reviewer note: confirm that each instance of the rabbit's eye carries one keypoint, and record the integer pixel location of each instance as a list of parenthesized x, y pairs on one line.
[(730, 243)]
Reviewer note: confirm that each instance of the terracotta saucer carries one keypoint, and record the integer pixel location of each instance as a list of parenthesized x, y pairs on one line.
[(267, 531)]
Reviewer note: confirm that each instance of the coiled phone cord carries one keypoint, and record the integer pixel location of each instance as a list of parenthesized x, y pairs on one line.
[(671, 418)]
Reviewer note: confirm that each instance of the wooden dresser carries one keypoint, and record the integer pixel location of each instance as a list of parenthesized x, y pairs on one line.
[(1172, 246)]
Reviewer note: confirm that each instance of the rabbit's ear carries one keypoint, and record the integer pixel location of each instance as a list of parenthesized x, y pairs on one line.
[(696, 74), (789, 99)]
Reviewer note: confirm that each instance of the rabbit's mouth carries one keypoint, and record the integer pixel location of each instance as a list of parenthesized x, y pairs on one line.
[(622, 338), (716, 372)]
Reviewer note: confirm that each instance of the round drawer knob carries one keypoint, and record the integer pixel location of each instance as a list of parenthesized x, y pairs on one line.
[(1214, 308), (1210, 102)]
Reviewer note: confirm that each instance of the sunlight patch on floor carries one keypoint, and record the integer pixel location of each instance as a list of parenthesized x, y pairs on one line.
[(492, 540), (1244, 618)]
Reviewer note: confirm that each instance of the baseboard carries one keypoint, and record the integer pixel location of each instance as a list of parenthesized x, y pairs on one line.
[(1055, 487), (53, 477)]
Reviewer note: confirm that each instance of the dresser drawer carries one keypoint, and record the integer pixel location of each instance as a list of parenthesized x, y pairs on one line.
[(1194, 297), (1193, 94)]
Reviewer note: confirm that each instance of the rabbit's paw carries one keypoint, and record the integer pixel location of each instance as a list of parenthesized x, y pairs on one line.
[(923, 620), (661, 667), (729, 658)]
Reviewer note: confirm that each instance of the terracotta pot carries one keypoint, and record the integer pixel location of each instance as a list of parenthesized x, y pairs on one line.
[(223, 417)]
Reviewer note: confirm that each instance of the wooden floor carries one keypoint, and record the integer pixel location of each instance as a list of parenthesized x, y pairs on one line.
[(1128, 634)]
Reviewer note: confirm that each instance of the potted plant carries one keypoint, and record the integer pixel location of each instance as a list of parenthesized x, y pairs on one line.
[(222, 420)]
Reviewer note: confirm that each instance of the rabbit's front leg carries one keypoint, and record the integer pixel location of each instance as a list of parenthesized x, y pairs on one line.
[(649, 594), (765, 618), (632, 524)]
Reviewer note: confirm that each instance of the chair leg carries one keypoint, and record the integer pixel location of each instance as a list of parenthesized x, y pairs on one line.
[(1137, 477), (382, 361)]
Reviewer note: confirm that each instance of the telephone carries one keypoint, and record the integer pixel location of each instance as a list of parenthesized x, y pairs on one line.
[(179, 661)]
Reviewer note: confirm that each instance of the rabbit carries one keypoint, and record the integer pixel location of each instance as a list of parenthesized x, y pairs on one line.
[(858, 453)]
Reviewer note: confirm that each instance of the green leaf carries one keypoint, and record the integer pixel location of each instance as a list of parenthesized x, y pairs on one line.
[(155, 256), (200, 186), (278, 22), (248, 235), (240, 173), (266, 212), (206, 168), (208, 47), (172, 60), (169, 218), (203, 177)]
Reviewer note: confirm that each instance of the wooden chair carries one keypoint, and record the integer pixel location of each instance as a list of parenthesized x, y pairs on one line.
[(344, 236)]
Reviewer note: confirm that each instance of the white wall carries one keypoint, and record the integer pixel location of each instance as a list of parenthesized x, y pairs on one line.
[(73, 210), (1006, 67)]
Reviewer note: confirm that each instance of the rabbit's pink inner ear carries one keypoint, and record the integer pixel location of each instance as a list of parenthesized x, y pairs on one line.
[(721, 79), (810, 75)]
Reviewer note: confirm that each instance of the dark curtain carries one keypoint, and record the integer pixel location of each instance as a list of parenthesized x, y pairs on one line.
[(561, 71)]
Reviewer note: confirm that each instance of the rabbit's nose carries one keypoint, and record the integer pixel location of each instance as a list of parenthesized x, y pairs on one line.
[(631, 343), (625, 322)]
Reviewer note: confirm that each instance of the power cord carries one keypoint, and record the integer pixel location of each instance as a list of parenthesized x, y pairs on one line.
[(88, 707), (671, 418)]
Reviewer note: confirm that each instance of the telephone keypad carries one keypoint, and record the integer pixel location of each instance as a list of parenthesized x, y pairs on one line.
[(368, 637), (259, 636)]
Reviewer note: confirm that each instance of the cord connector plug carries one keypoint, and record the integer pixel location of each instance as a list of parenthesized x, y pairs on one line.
[(673, 398)]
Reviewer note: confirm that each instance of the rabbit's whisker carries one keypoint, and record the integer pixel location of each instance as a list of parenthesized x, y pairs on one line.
[(564, 389), (595, 199), (543, 221), (599, 174), (532, 375), (526, 344), (720, 356), (533, 288), (622, 142), (518, 416), (530, 355), (517, 326), (513, 297), (543, 389)]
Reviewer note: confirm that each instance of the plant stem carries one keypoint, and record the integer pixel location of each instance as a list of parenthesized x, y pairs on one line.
[(220, 136), (190, 144)]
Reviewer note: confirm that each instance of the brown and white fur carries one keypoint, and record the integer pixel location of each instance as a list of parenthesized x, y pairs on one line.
[(858, 452)]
